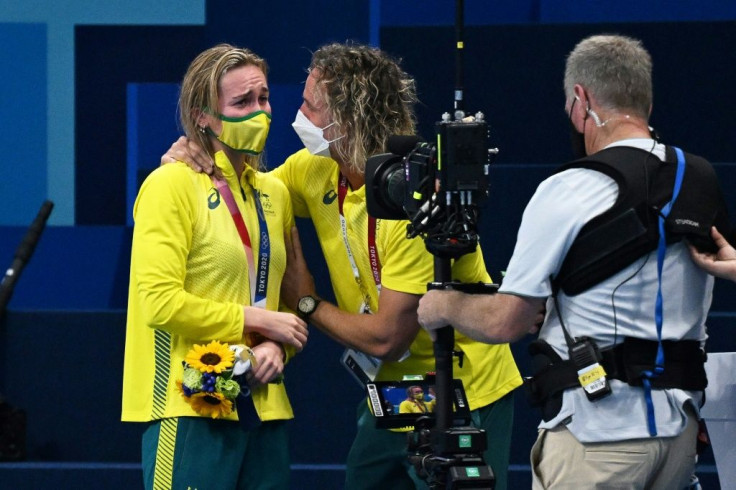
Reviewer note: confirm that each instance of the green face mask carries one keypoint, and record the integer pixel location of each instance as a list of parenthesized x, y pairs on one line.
[(247, 134), (419, 396)]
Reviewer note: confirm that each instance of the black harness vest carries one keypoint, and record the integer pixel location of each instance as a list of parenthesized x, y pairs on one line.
[(616, 238), (628, 230)]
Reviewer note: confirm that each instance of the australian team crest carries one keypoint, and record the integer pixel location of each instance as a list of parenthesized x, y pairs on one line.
[(266, 204)]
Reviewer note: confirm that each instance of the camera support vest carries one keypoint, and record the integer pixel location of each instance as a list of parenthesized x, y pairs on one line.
[(628, 230)]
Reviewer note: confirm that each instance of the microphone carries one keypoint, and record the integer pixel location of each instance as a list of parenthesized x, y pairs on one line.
[(402, 144), (23, 254)]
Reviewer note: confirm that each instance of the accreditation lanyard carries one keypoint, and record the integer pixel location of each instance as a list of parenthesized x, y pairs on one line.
[(342, 191), (648, 375), (259, 282)]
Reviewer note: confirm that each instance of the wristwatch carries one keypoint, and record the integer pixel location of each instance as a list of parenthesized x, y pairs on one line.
[(306, 306)]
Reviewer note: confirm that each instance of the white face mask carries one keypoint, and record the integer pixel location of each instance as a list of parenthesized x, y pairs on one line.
[(312, 137)]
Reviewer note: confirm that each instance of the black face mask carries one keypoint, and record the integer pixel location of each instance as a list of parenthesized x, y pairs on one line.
[(577, 139)]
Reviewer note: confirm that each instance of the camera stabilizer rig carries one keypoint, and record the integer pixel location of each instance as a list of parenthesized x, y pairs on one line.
[(445, 454), (438, 187)]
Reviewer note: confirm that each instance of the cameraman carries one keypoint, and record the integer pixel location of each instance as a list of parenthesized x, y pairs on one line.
[(354, 98), (639, 433)]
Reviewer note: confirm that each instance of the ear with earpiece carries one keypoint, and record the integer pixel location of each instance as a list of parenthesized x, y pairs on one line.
[(653, 133)]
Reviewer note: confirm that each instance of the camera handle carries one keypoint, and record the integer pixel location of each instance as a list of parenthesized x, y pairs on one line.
[(443, 345), (450, 464), (443, 352)]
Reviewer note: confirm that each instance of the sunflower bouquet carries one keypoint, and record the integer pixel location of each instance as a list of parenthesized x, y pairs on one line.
[(207, 384)]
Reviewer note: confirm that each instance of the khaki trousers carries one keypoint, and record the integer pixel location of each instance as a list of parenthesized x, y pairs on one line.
[(559, 461)]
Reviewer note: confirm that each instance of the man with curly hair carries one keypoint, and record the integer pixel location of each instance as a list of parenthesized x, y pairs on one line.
[(355, 97), (358, 96)]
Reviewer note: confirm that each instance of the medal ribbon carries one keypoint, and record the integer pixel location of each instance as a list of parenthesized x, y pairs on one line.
[(259, 281)]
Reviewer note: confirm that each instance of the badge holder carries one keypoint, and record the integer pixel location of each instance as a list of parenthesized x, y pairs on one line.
[(363, 367)]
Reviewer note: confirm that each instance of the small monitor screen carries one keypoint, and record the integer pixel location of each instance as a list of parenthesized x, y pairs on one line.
[(398, 404)]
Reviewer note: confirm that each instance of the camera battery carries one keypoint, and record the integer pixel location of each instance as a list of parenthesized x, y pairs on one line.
[(591, 375), (459, 440)]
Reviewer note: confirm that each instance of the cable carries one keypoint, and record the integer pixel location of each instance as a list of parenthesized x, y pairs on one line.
[(646, 259)]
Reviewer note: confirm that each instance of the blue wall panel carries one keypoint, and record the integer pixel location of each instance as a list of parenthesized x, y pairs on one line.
[(72, 268), (514, 74), (72, 399), (128, 54), (286, 98), (152, 125), (286, 32), (568, 11), (23, 112), (69, 304), (398, 13)]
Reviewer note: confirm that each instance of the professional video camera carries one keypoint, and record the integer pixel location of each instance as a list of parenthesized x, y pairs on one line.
[(438, 187)]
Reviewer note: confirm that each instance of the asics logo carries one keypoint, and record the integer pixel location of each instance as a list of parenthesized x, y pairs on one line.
[(329, 197), (213, 200)]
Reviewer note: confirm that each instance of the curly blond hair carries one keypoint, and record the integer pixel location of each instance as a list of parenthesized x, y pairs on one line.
[(368, 96)]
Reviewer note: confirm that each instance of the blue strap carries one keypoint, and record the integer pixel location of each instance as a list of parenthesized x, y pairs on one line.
[(258, 273), (247, 414), (647, 375), (264, 253)]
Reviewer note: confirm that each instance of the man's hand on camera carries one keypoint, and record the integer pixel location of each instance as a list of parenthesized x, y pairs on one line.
[(189, 152), (433, 311), (494, 319), (297, 281)]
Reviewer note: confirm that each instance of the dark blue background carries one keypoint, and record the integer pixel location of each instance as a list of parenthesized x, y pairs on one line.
[(62, 341)]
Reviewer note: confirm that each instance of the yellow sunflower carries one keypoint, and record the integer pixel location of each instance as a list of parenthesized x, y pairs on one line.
[(211, 358), (213, 405)]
